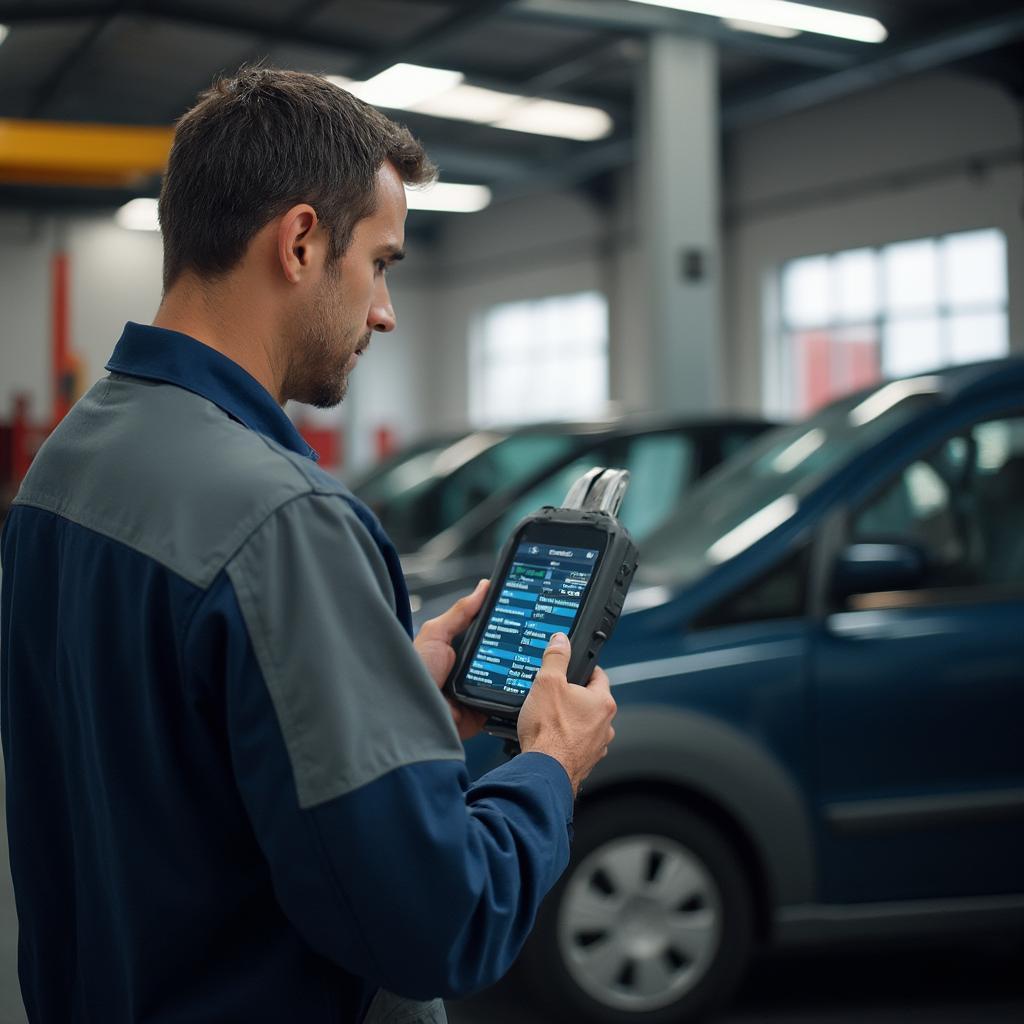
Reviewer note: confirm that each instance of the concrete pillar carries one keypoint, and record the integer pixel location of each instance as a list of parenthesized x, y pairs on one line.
[(678, 175)]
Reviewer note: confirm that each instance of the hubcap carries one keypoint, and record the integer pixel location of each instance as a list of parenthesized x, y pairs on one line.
[(640, 922)]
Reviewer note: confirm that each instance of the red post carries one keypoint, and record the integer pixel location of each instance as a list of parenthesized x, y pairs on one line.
[(62, 368), (385, 443)]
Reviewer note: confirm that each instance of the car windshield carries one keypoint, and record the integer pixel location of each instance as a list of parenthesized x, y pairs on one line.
[(434, 489), (760, 488)]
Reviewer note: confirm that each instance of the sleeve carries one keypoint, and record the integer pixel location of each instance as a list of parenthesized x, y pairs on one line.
[(382, 855)]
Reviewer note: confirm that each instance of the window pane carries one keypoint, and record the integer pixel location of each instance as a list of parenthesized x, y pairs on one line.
[(974, 336), (539, 360), (834, 363), (911, 276), (856, 282), (660, 467), (805, 292), (974, 265), (911, 346)]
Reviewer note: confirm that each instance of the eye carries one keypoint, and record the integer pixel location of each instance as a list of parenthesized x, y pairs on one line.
[(382, 266)]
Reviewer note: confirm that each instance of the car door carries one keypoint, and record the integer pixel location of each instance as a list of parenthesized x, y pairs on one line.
[(919, 693)]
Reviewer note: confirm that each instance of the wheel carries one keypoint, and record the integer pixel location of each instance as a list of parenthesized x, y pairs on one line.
[(651, 923)]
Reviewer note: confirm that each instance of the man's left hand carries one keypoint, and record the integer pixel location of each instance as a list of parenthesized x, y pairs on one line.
[(434, 645)]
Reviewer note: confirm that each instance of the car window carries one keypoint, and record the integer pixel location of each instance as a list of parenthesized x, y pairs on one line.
[(661, 466), (961, 505), (550, 491), (413, 516), (780, 593), (762, 486)]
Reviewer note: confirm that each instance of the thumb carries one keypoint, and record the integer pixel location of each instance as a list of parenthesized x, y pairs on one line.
[(556, 656)]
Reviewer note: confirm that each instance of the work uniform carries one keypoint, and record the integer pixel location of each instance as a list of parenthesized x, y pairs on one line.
[(233, 791)]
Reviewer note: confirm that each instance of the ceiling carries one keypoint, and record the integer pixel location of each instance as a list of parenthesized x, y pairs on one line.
[(143, 62)]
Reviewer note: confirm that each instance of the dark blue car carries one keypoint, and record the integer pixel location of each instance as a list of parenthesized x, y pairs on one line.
[(820, 682)]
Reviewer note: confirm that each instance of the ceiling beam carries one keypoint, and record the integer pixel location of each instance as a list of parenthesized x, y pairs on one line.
[(60, 153), (946, 48), (271, 28), (623, 16), (432, 39)]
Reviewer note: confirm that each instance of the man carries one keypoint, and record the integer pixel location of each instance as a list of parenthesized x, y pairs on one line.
[(235, 791)]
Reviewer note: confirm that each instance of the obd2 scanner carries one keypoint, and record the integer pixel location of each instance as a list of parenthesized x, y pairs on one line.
[(563, 570)]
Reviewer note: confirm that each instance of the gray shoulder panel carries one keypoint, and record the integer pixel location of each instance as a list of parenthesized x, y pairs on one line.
[(164, 471), (352, 697)]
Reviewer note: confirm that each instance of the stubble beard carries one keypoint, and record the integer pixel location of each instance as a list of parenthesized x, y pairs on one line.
[(318, 374)]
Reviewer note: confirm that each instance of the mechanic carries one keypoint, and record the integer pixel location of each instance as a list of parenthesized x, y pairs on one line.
[(235, 791)]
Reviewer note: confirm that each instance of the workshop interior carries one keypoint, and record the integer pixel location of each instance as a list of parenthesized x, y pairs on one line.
[(758, 266)]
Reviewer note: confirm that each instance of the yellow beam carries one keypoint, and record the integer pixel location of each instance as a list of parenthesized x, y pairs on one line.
[(91, 155)]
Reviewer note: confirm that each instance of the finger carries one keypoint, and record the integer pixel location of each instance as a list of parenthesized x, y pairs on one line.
[(555, 661), (456, 619), (599, 681)]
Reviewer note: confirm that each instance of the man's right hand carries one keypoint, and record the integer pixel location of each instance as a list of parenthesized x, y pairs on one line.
[(571, 723)]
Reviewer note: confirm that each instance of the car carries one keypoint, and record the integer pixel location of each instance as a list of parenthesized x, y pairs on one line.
[(523, 471), (820, 681)]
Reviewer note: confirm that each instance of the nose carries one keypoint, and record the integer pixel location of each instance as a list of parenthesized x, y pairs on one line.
[(382, 314)]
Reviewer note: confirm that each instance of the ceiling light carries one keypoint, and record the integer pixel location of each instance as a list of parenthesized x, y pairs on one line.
[(785, 14), (775, 31), (403, 85), (3, 32), (138, 215), (449, 197), (460, 102), (563, 120), (468, 103)]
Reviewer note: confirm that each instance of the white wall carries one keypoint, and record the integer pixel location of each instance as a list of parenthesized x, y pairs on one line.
[(25, 332)]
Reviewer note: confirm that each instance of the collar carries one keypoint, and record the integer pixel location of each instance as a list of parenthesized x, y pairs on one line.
[(175, 358)]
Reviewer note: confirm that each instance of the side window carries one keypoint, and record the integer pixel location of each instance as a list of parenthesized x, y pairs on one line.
[(960, 505), (661, 468), (549, 491), (781, 593)]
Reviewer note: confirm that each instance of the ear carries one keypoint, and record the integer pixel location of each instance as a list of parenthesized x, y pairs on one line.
[(299, 244)]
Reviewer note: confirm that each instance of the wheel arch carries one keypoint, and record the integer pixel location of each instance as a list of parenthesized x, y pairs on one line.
[(704, 763)]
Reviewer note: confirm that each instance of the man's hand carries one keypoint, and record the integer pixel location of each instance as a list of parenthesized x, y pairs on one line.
[(433, 643), (571, 723)]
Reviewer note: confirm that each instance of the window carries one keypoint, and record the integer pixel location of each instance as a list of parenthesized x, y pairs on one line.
[(661, 466), (544, 359), (852, 318), (961, 506)]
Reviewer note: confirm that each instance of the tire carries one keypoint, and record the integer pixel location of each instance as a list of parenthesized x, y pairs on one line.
[(651, 923)]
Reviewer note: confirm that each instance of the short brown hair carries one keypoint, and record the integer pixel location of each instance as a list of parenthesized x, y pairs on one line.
[(260, 142)]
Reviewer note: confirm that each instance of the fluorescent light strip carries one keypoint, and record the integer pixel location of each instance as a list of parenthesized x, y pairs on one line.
[(403, 85), (448, 197), (775, 31), (3, 32), (439, 93), (138, 215), (785, 14)]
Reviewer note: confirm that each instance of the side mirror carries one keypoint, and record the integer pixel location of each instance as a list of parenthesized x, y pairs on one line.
[(872, 568)]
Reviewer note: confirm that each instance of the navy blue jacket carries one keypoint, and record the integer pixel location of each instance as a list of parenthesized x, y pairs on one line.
[(234, 793)]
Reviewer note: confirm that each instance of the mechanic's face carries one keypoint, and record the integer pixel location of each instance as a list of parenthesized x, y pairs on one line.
[(351, 301)]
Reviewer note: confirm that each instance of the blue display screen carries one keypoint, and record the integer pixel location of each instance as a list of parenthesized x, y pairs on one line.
[(540, 595)]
